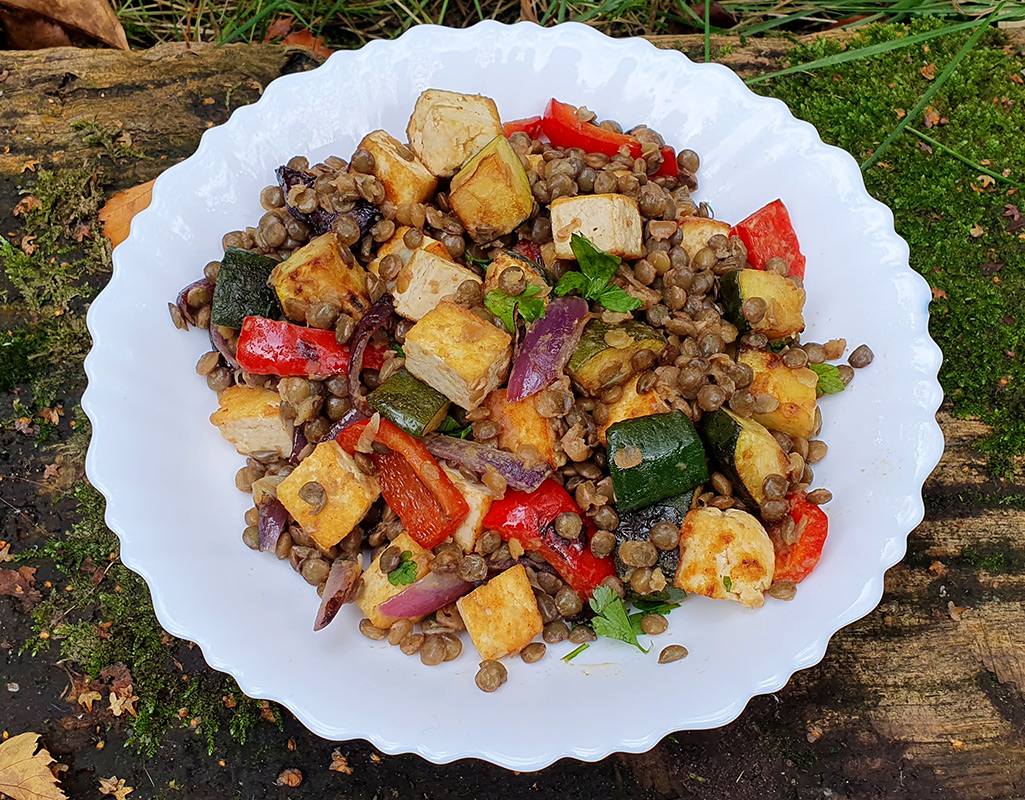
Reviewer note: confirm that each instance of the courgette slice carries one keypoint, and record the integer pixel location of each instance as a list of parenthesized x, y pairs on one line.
[(672, 459), (793, 388), (783, 300), (242, 289), (409, 403), (596, 364), (744, 451), (636, 525)]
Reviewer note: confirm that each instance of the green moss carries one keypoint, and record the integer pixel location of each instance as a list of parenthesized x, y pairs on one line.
[(992, 558), (936, 200), (116, 144)]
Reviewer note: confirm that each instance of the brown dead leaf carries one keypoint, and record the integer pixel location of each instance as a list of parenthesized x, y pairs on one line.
[(989, 268), (28, 203), (339, 763), (52, 415), (51, 471), (116, 214), (279, 28), (125, 701), (24, 425), (937, 568), (528, 14), (977, 230), (1011, 210), (938, 294), (25, 773), (1017, 78), (34, 24), (986, 181), (925, 147), (120, 678), (309, 41), (86, 699), (5, 552), (901, 113), (28, 244), (115, 787), (19, 583), (929, 72), (289, 777), (931, 117)]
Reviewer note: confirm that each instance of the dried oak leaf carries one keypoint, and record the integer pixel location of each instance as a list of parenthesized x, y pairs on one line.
[(25, 773), (309, 41), (116, 787), (34, 24), (931, 117), (86, 699), (938, 294), (985, 181), (125, 701), (18, 583), (279, 28), (289, 777), (120, 678), (1012, 212), (989, 268), (977, 230), (117, 213), (929, 72), (339, 763), (28, 203)]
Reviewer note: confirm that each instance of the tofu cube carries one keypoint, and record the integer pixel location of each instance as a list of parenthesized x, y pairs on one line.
[(350, 493), (631, 405), (479, 499), (447, 129), (317, 273), (491, 195), (501, 616), (405, 179), (396, 245), (458, 353), (521, 429), (726, 555), (612, 222), (503, 261), (426, 279), (377, 588), (794, 389), (249, 418), (697, 231)]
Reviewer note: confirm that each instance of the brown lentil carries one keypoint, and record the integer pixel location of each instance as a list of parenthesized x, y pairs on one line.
[(664, 535), (817, 450), (605, 518), (673, 652), (533, 652), (555, 632), (390, 559), (568, 602), (491, 675), (782, 590), (654, 624), (861, 357), (774, 509), (453, 646), (411, 644), (399, 631), (472, 568), (637, 553), (582, 634), (819, 497), (432, 652), (371, 631)]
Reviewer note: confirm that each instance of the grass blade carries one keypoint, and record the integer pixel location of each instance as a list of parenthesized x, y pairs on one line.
[(708, 32), (961, 158)]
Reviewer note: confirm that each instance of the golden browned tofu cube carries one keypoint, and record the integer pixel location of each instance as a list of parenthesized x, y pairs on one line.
[(317, 273), (611, 222), (396, 245), (521, 429), (696, 232), (501, 616), (726, 555), (458, 353), (447, 129), (478, 498), (794, 389), (503, 261), (377, 588), (350, 493), (404, 178), (491, 195), (631, 405), (426, 279), (249, 418)]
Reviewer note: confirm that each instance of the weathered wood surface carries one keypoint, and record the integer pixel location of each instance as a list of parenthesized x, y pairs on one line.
[(921, 698)]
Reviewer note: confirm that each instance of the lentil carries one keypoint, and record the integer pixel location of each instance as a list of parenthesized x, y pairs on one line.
[(490, 676), (654, 624), (673, 652)]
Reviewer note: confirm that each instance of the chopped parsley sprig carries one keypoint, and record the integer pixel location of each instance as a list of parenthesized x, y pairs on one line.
[(830, 381), (592, 281), (505, 306)]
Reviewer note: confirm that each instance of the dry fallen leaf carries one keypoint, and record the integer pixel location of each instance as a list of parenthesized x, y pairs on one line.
[(34, 24), (938, 294), (86, 699), (289, 777), (279, 28), (120, 703), (5, 552), (977, 230), (309, 41), (27, 203), (24, 773), (901, 113), (116, 214), (986, 180), (931, 117), (339, 763), (115, 786), (18, 583), (929, 72)]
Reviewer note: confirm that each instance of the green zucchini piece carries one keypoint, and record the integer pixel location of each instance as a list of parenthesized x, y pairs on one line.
[(784, 302), (596, 365), (744, 451), (672, 459), (409, 403), (242, 289), (636, 525)]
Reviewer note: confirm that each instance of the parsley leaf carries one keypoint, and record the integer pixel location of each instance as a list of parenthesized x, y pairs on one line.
[(611, 619), (405, 573), (778, 346), (727, 581), (573, 654), (829, 379), (451, 427), (504, 305), (654, 606), (596, 270), (398, 349), (479, 264)]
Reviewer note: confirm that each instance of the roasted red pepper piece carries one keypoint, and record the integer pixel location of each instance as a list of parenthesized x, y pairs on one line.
[(563, 129), (528, 125), (794, 562), (528, 518), (270, 347), (768, 233), (413, 485)]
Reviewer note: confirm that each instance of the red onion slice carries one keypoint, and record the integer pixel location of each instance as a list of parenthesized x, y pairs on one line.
[(182, 302), (220, 344), (547, 347), (478, 458), (433, 591), (377, 316), (339, 589), (272, 522)]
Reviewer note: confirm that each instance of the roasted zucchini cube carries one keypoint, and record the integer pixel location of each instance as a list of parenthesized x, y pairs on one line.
[(611, 222), (396, 245), (479, 499), (630, 405), (377, 588), (636, 526), (696, 231), (317, 273), (405, 179), (458, 353), (784, 302), (350, 493), (531, 272), (521, 429), (241, 290), (745, 452), (409, 403), (491, 194), (602, 359), (249, 418), (426, 279), (501, 616), (447, 129), (725, 555), (793, 388)]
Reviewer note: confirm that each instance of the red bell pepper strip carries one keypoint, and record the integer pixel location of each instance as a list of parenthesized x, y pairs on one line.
[(794, 562), (529, 125), (528, 518), (269, 347), (413, 485), (767, 233), (564, 129)]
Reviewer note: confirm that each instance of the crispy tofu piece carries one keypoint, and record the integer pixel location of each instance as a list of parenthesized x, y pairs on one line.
[(396, 245), (316, 273), (793, 388), (501, 616), (697, 231), (503, 261), (726, 555), (447, 129), (491, 194), (520, 427), (426, 279), (458, 353), (631, 405), (376, 588), (479, 499), (350, 493), (611, 221), (405, 179), (250, 420)]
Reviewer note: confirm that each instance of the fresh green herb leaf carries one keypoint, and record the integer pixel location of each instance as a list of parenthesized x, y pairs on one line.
[(476, 263), (829, 379), (727, 581), (451, 427), (571, 282), (611, 619), (504, 305), (405, 573), (597, 266), (596, 270), (655, 606), (398, 349), (615, 299), (574, 653), (778, 346)]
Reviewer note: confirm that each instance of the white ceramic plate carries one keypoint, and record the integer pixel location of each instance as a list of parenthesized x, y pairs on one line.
[(168, 476)]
